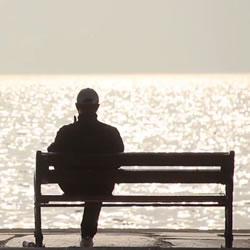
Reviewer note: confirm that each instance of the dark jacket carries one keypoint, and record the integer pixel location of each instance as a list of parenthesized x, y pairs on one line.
[(87, 136)]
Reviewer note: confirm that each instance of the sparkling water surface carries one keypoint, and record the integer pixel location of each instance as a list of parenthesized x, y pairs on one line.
[(165, 113)]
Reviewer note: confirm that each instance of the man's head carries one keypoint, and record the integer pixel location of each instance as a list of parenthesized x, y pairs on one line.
[(87, 101)]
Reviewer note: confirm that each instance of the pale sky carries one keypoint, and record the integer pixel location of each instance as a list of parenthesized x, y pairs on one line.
[(124, 36)]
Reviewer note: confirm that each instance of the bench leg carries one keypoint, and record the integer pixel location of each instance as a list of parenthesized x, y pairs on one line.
[(229, 223), (228, 226), (38, 228)]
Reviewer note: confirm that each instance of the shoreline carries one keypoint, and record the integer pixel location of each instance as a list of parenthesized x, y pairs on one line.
[(126, 238), (126, 230)]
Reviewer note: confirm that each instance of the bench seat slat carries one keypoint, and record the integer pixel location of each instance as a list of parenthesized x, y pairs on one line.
[(136, 198), (165, 204)]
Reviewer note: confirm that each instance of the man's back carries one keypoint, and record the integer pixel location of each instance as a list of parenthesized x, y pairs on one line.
[(87, 136)]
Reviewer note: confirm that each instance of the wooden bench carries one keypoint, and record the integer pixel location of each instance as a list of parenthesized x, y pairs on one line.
[(207, 168)]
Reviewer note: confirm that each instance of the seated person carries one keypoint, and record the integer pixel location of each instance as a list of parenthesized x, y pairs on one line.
[(88, 136)]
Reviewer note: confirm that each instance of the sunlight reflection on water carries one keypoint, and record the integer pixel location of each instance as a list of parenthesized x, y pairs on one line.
[(153, 113)]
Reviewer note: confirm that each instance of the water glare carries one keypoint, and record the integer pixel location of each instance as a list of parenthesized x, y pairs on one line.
[(153, 113)]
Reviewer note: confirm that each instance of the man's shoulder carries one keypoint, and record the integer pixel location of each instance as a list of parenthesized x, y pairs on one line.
[(67, 128), (107, 127)]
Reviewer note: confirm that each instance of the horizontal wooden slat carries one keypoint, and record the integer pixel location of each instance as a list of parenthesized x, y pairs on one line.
[(139, 159), (110, 204), (137, 198), (142, 176), (169, 176)]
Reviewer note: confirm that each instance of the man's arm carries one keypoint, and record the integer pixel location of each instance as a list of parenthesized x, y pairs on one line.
[(117, 142), (60, 142)]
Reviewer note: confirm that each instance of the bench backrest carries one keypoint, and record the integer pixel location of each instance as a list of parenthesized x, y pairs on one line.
[(210, 167)]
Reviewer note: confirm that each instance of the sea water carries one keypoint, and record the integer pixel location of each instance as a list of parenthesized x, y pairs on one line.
[(156, 113)]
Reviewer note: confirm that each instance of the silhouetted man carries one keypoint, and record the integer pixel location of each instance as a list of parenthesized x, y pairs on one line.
[(87, 136)]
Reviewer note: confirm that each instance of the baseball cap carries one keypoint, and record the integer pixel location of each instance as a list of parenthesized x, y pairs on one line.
[(87, 96)]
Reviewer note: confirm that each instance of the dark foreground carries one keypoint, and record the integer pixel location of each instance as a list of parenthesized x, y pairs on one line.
[(124, 238)]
